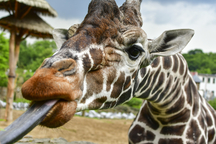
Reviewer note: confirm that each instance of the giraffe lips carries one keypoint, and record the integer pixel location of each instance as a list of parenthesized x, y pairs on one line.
[(26, 122), (60, 114)]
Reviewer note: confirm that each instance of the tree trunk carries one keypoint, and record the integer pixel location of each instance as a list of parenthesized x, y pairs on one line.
[(17, 50), (11, 78)]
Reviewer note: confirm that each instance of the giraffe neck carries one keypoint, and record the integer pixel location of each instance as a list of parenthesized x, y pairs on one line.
[(173, 112), (165, 85)]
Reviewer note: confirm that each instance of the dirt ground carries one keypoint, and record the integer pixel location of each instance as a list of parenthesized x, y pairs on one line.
[(99, 131)]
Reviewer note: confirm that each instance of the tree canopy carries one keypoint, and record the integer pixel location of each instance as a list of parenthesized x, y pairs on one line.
[(30, 58), (32, 55), (201, 62), (4, 57)]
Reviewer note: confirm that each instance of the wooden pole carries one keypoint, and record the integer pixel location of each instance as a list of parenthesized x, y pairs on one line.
[(11, 78), (27, 11), (18, 39)]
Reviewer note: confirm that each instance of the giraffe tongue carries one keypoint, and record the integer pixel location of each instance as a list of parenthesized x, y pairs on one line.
[(26, 122)]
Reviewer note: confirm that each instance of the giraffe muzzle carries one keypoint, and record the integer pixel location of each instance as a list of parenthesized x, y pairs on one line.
[(59, 81)]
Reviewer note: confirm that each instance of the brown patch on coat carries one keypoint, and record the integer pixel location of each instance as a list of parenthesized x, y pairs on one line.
[(97, 56), (173, 130), (124, 97), (193, 133), (167, 62), (110, 78), (170, 141), (207, 117), (156, 62), (127, 83), (117, 87), (109, 105), (138, 134), (147, 118), (143, 72), (202, 140), (94, 80), (86, 62), (175, 63), (188, 92), (97, 103), (211, 134), (182, 66)]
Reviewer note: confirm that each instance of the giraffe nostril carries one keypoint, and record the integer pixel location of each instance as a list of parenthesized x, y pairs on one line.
[(65, 66), (69, 72), (60, 69)]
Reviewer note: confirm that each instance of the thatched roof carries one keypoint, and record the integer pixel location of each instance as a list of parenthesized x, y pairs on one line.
[(38, 6), (31, 24)]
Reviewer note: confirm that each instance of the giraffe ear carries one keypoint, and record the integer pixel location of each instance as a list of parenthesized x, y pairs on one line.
[(60, 36), (170, 42)]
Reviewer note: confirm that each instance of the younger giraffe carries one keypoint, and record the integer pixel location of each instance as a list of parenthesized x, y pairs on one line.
[(102, 66)]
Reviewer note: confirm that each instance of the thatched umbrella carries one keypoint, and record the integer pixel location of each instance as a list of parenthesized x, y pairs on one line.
[(31, 25), (21, 24), (22, 7)]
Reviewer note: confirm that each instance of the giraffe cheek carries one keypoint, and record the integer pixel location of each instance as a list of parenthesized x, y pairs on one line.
[(60, 114)]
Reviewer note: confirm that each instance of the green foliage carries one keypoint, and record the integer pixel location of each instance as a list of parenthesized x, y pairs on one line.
[(204, 71), (213, 103), (201, 62), (196, 51), (21, 100), (135, 103), (4, 58), (32, 55)]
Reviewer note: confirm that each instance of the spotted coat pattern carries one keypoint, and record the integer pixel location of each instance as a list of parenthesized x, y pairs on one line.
[(102, 65), (173, 110)]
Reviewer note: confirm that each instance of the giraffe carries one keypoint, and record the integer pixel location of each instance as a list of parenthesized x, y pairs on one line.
[(105, 62)]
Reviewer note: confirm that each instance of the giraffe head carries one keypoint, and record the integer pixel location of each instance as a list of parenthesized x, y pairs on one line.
[(96, 64)]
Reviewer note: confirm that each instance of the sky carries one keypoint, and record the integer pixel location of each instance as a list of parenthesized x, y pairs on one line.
[(158, 16)]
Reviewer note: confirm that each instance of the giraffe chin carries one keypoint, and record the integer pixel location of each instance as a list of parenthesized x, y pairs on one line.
[(61, 113)]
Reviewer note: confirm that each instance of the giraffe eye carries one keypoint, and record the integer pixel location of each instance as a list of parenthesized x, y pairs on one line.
[(134, 51)]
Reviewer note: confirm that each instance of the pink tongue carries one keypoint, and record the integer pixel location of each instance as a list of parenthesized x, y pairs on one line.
[(60, 114)]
